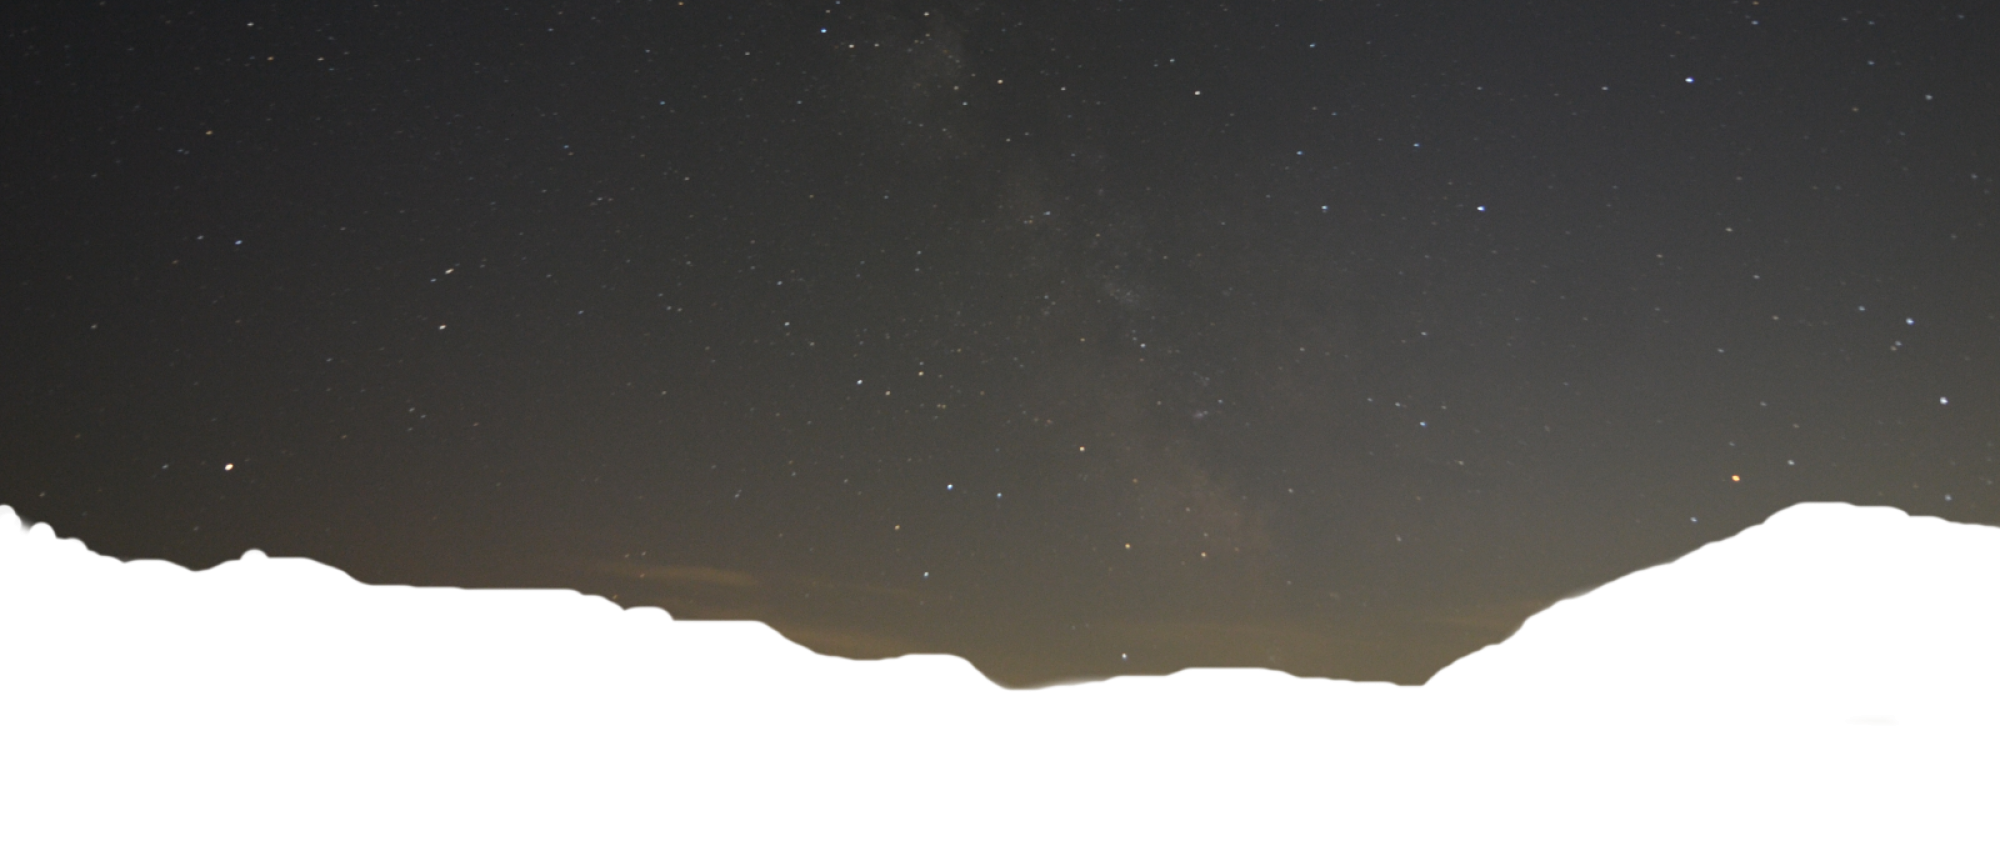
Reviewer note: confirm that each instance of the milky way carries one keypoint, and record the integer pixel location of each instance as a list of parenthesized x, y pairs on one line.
[(1073, 338)]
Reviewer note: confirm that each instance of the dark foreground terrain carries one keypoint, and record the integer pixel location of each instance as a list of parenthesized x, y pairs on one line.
[(1821, 615)]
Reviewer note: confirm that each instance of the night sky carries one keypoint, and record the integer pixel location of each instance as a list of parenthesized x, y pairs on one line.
[(1074, 338)]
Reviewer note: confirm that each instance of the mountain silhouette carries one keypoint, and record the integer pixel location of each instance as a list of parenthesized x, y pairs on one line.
[(1817, 617)]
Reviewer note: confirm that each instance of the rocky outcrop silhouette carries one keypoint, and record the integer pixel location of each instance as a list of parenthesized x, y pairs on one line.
[(1805, 623)]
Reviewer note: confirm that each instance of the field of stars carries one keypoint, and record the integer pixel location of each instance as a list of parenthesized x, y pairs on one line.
[(1074, 338)]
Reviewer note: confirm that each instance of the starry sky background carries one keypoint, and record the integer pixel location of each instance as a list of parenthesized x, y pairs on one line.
[(1075, 338)]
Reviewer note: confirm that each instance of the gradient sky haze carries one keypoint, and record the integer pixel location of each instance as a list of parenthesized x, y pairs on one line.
[(1075, 338)]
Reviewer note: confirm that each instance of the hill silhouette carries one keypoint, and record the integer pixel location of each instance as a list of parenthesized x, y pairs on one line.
[(1821, 615)]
